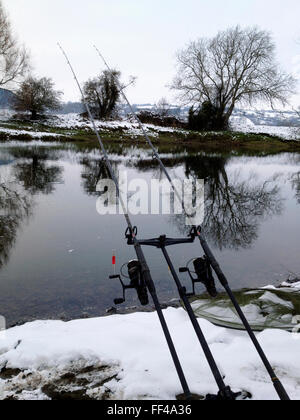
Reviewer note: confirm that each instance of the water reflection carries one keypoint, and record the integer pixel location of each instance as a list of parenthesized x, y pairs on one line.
[(93, 171), (15, 208), (35, 173), (62, 258), (296, 186), (27, 178), (234, 207)]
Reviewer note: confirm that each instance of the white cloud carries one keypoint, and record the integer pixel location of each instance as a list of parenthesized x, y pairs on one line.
[(139, 37)]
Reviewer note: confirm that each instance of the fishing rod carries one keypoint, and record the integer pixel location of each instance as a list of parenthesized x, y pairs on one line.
[(209, 260), (141, 277), (141, 280), (162, 243)]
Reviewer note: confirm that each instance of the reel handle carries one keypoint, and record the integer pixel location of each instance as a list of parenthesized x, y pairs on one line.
[(187, 270)]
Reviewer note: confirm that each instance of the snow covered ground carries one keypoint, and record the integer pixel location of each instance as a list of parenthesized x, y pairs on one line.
[(238, 123), (74, 121), (245, 125), (126, 357), (34, 134)]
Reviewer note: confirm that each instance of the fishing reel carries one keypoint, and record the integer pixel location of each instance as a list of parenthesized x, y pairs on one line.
[(136, 282), (204, 275)]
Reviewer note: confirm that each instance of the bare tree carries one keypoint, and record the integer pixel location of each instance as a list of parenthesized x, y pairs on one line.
[(102, 93), (237, 65), (163, 108), (14, 59), (37, 96)]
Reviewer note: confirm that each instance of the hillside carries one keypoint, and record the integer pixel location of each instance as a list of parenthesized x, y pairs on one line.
[(6, 98)]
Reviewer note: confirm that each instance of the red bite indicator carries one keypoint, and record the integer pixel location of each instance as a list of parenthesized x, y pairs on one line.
[(113, 261)]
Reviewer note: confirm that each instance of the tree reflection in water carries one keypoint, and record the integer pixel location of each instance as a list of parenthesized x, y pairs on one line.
[(294, 160), (296, 185), (26, 178), (93, 171), (35, 174), (234, 208), (15, 208)]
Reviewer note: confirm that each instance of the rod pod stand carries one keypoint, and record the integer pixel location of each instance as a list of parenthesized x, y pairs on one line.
[(276, 382), (225, 392)]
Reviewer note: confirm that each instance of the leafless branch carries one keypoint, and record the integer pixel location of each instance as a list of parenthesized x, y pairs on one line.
[(237, 65)]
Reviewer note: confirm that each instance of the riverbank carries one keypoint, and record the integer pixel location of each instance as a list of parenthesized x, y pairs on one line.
[(73, 129), (125, 357)]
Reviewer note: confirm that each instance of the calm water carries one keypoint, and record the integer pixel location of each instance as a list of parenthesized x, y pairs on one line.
[(55, 249)]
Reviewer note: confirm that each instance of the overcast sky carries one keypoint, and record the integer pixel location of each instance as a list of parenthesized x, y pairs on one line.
[(141, 37)]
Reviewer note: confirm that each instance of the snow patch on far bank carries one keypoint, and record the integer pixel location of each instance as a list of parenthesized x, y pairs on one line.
[(245, 125), (34, 134), (75, 121), (127, 358)]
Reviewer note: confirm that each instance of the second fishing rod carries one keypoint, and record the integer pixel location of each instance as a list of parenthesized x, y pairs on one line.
[(281, 392)]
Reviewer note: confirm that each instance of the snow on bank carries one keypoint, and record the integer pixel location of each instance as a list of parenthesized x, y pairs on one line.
[(75, 121), (287, 284), (238, 123), (126, 357), (34, 134), (245, 125)]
